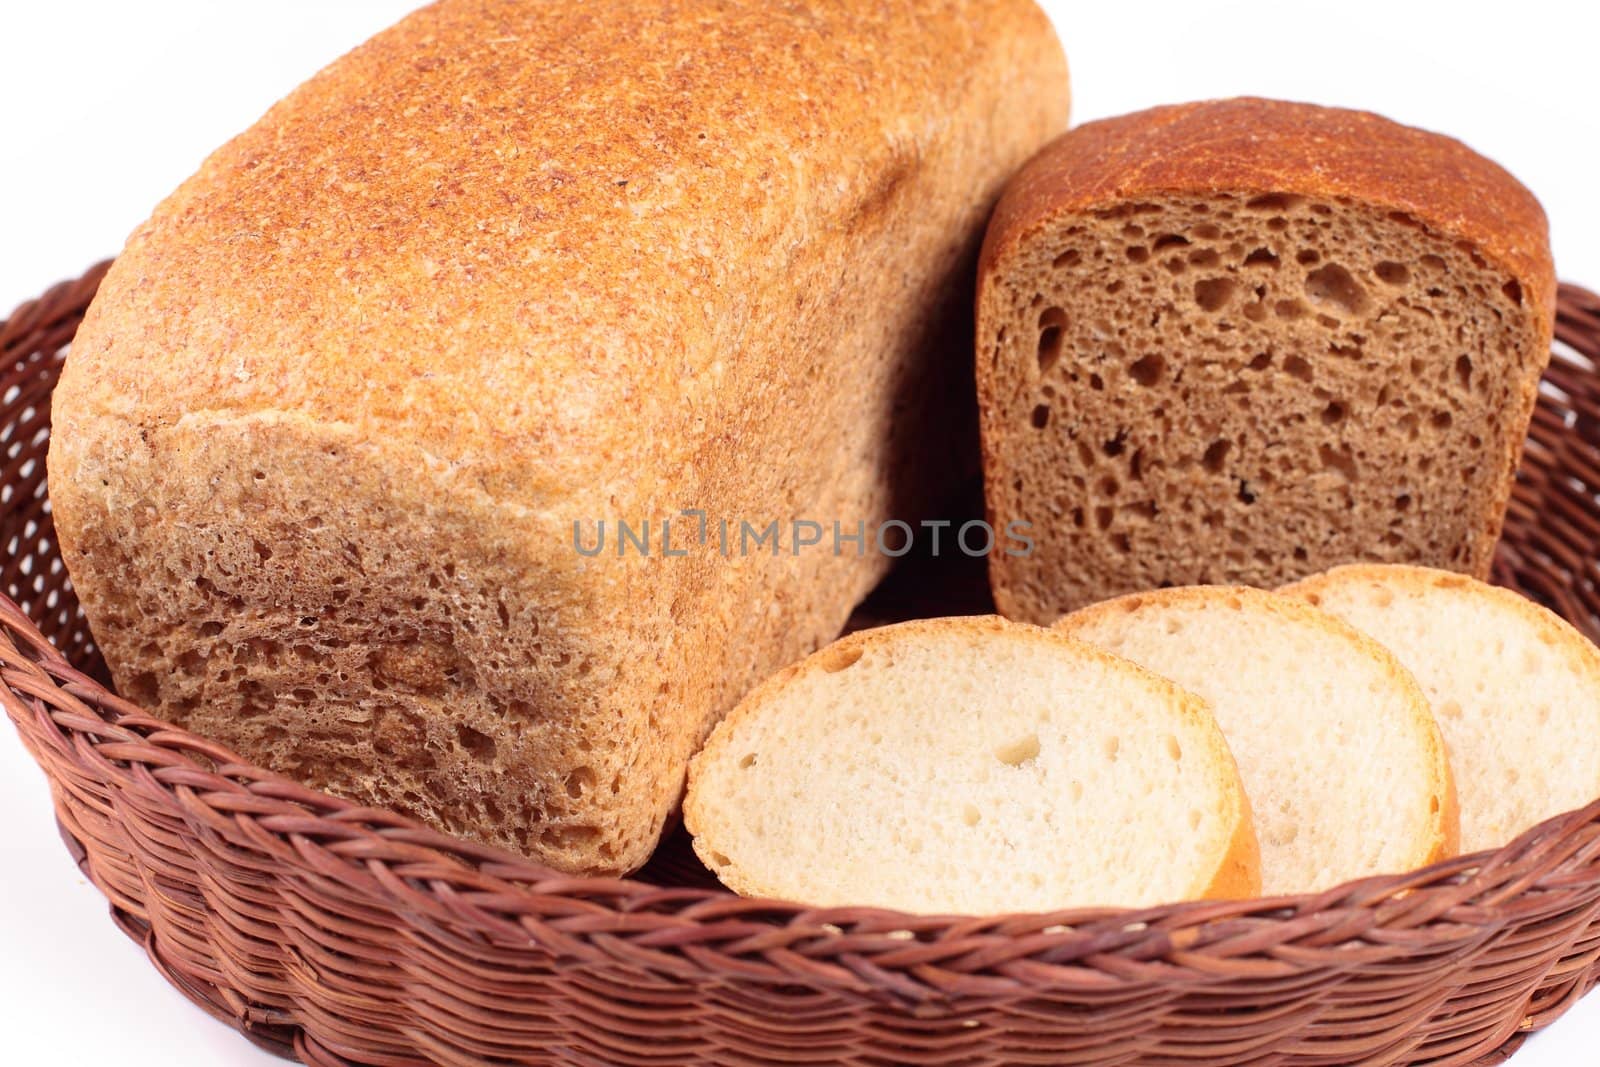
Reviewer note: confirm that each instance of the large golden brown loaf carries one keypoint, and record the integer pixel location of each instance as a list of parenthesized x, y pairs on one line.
[(323, 437)]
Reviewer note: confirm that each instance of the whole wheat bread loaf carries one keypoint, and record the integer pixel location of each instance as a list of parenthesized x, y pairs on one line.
[(1515, 687), (1339, 753), (1243, 341), (892, 769), (511, 266)]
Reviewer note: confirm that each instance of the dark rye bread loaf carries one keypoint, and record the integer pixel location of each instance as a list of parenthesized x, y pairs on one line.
[(1243, 341), (324, 435)]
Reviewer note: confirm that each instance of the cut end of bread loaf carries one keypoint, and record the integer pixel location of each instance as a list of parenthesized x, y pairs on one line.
[(1254, 351), (1515, 688), (890, 770), (1345, 769)]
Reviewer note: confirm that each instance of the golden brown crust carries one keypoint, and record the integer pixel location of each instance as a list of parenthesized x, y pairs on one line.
[(1238, 877), (510, 266), (1449, 818)]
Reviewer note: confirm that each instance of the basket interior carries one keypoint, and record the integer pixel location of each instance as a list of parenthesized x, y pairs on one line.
[(344, 935), (1550, 549)]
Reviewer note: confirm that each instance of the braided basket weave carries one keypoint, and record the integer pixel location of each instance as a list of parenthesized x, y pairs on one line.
[(344, 935)]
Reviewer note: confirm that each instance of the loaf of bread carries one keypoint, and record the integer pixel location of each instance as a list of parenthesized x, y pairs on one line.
[(1515, 688), (1243, 341), (337, 436), (1343, 763), (889, 769)]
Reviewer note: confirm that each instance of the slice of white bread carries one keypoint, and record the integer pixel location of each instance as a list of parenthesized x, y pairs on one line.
[(1344, 765), (1515, 688), (971, 765)]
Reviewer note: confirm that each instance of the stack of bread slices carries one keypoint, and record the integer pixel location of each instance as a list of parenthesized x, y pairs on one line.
[(1202, 741)]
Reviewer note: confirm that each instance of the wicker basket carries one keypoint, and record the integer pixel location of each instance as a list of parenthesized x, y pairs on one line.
[(345, 935)]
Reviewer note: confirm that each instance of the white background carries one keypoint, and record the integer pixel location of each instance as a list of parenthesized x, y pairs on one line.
[(105, 107)]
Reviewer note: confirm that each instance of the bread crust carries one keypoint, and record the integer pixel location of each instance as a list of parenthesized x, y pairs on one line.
[(1252, 146), (508, 267), (1236, 875), (1443, 831)]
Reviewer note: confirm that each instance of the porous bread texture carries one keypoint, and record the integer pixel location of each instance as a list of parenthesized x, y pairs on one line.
[(1345, 769), (1244, 341), (1515, 688), (509, 267), (971, 765)]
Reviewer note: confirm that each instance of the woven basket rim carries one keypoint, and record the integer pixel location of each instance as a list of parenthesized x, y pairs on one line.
[(908, 956)]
